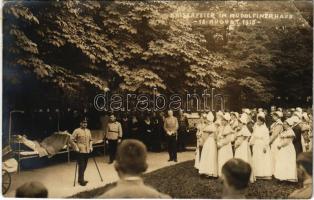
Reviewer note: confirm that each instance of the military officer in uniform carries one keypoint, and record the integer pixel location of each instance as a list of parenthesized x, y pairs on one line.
[(171, 128), (113, 136), (83, 146)]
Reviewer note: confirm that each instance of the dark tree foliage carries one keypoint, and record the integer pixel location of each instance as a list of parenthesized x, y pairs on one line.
[(65, 52)]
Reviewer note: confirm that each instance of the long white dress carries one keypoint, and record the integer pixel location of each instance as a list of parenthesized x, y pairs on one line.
[(275, 127), (261, 161), (243, 150), (199, 133), (286, 168), (224, 140), (208, 161)]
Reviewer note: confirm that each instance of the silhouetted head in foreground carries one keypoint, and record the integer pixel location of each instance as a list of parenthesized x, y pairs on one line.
[(236, 176), (305, 165), (130, 165), (131, 158), (305, 173), (32, 190)]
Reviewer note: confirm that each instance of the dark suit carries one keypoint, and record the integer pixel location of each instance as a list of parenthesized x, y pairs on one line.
[(147, 134), (157, 133), (182, 132), (297, 139)]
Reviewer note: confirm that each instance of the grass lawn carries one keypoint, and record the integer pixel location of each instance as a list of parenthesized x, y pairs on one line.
[(183, 181)]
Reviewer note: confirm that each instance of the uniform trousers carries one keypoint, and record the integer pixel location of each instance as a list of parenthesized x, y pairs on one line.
[(112, 149), (82, 160), (172, 147)]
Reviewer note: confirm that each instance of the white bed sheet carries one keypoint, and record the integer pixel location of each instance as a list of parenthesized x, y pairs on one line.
[(98, 142), (29, 153)]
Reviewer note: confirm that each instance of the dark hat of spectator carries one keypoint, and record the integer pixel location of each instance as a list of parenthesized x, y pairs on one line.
[(84, 120)]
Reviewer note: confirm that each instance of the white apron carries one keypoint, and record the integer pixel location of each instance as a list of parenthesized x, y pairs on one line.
[(243, 151), (208, 162), (225, 152), (261, 161), (286, 168)]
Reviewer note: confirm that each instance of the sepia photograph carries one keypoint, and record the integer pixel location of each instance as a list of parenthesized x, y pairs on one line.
[(157, 99)]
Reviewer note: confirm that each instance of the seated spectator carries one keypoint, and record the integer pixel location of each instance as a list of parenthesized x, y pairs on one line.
[(304, 164), (236, 176), (130, 164), (32, 190)]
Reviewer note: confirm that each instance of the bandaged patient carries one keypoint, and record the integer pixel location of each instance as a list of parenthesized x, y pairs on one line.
[(50, 145), (29, 143)]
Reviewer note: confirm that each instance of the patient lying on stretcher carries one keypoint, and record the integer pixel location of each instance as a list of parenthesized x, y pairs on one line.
[(56, 142), (50, 145)]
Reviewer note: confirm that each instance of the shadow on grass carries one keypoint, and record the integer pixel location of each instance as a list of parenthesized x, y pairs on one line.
[(182, 181)]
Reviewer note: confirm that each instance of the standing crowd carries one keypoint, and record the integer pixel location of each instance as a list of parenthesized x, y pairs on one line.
[(237, 148), (148, 127), (269, 142), (114, 132), (131, 163), (156, 132)]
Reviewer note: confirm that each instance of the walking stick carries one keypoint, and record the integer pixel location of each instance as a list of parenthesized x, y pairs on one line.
[(75, 174), (97, 169)]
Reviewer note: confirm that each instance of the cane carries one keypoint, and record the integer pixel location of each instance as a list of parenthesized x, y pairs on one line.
[(75, 174), (97, 169)]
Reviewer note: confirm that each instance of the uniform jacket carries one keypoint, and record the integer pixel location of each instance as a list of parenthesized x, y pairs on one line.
[(171, 125), (82, 139), (113, 131)]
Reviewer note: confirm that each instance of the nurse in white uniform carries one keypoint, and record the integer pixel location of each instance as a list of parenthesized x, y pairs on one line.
[(208, 162), (242, 148), (261, 158), (275, 129), (199, 134), (224, 138), (286, 169)]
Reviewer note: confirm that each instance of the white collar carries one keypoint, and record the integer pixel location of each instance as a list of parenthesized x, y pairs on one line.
[(132, 178)]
